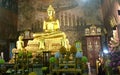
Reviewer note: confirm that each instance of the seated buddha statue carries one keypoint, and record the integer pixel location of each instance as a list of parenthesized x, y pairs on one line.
[(20, 43), (51, 26), (51, 38)]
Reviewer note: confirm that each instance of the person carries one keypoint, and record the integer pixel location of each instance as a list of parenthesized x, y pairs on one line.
[(51, 24), (20, 43)]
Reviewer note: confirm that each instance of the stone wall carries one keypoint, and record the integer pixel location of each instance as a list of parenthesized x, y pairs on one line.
[(8, 19)]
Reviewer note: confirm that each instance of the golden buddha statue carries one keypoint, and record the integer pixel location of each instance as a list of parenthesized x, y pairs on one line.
[(20, 43), (51, 24), (20, 47), (51, 38)]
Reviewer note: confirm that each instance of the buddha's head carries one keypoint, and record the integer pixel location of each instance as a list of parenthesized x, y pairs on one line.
[(50, 10), (20, 38)]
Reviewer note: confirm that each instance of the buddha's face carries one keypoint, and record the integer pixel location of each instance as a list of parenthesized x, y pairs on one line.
[(20, 38), (50, 13)]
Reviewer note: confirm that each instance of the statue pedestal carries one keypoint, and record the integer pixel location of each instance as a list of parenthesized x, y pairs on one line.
[(48, 41)]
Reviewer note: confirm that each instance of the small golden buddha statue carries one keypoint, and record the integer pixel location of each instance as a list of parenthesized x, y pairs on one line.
[(51, 24), (20, 43), (20, 47)]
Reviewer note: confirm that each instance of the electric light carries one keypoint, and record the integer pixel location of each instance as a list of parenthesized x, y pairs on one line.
[(105, 51)]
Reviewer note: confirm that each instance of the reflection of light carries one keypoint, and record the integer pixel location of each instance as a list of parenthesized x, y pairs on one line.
[(84, 0), (105, 51)]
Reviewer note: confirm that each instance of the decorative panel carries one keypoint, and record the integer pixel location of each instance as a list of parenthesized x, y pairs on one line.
[(93, 48)]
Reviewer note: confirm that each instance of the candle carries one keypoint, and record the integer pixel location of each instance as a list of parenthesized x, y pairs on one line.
[(2, 55), (89, 69)]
